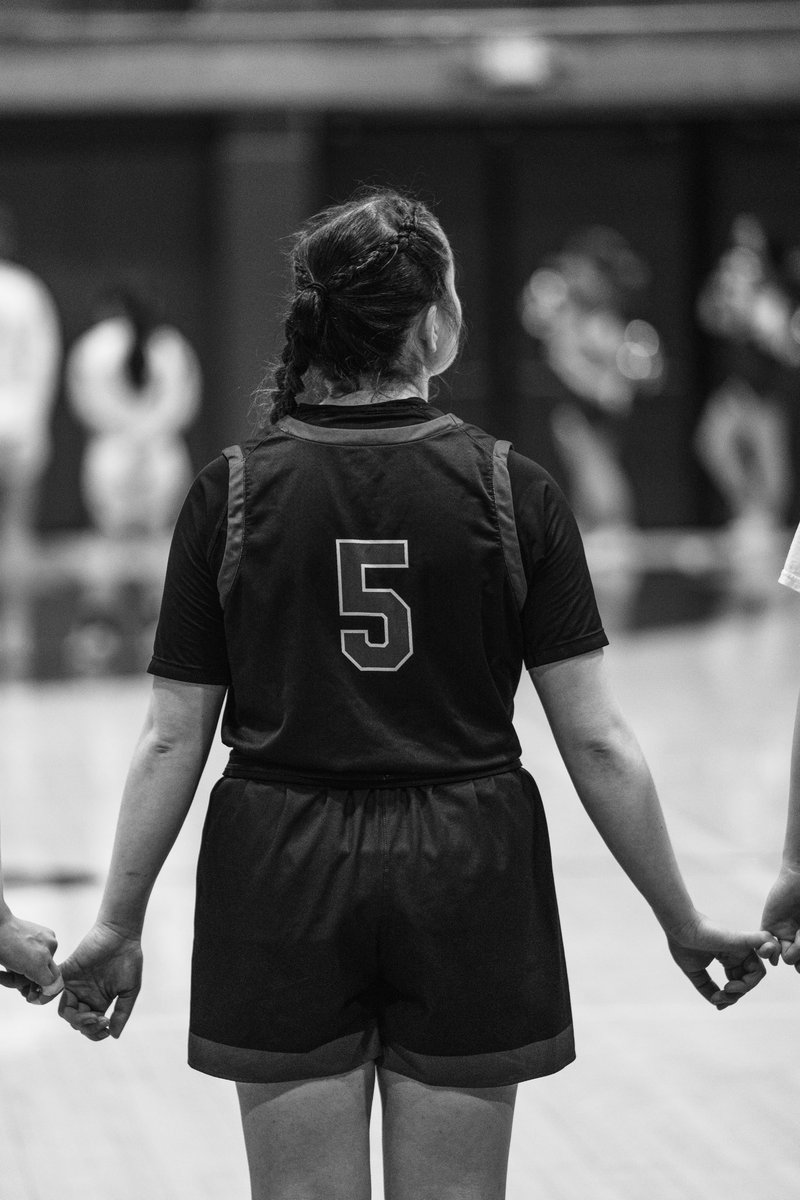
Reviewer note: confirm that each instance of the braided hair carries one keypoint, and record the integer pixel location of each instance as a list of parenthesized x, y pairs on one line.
[(362, 271)]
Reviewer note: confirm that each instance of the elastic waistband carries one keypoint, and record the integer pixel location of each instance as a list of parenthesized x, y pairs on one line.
[(240, 767)]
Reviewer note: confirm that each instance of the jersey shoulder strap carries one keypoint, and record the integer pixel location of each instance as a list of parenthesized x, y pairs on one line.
[(234, 540), (504, 506)]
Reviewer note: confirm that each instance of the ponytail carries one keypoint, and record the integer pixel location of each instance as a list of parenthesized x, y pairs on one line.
[(362, 272), (304, 321)]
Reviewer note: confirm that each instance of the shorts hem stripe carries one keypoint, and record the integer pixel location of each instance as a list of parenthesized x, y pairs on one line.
[(244, 1065), (497, 1069)]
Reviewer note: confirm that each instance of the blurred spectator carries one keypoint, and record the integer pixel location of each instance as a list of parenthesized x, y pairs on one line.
[(583, 307), (751, 305), (134, 382), (30, 355)]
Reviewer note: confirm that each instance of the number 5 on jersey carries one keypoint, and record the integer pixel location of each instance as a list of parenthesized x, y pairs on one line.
[(354, 559)]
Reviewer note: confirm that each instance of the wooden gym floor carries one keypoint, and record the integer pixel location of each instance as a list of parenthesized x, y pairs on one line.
[(668, 1099)]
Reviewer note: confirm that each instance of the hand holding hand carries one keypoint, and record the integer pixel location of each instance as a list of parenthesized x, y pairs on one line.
[(26, 951), (782, 914), (700, 941), (105, 969)]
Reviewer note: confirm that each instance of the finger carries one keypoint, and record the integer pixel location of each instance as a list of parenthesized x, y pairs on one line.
[(122, 1011), (770, 951), (45, 974), (71, 1009), (41, 996), (736, 989), (51, 990), (66, 1002), (93, 1027), (791, 953), (762, 939), (705, 985), (11, 979), (45, 985), (747, 974), (742, 978)]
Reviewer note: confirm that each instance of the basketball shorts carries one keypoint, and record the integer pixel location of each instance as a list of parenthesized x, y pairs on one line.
[(414, 927)]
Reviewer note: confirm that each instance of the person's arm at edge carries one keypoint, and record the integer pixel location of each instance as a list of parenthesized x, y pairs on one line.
[(26, 951), (162, 779), (782, 907), (614, 784)]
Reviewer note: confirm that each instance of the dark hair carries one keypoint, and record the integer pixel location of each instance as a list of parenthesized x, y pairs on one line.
[(362, 271), (128, 301)]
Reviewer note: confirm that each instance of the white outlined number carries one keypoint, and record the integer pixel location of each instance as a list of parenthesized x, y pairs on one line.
[(354, 558)]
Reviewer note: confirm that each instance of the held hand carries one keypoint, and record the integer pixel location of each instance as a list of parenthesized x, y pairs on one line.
[(105, 969), (700, 941), (782, 914), (26, 950)]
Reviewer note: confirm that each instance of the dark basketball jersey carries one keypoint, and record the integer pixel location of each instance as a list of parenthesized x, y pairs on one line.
[(372, 587)]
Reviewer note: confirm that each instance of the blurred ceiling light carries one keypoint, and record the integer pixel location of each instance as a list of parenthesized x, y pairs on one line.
[(527, 63)]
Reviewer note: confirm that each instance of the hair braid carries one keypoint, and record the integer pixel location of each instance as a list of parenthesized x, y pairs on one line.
[(289, 375), (345, 276)]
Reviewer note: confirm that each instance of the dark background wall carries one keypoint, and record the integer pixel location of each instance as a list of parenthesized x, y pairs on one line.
[(200, 207)]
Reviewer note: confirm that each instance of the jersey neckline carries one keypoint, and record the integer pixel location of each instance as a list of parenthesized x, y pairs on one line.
[(382, 435), (405, 410)]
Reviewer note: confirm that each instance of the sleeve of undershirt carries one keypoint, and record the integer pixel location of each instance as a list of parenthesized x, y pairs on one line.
[(560, 618), (790, 575), (190, 636)]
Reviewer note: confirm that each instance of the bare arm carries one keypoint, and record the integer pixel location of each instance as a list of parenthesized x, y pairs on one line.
[(162, 779), (166, 767), (782, 908), (26, 951), (613, 781)]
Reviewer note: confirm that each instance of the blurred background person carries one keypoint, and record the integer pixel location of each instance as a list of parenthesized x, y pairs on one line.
[(134, 382), (30, 357), (597, 354), (751, 305)]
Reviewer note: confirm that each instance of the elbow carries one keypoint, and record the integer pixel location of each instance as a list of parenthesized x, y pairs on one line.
[(612, 748), (159, 742)]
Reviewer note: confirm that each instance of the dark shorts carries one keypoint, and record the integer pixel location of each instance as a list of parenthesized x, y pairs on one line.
[(416, 927)]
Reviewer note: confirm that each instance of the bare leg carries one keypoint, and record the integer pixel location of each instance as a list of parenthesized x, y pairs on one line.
[(445, 1143), (309, 1140)]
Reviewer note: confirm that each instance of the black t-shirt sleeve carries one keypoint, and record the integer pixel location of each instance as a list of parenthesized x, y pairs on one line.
[(560, 618), (190, 637)]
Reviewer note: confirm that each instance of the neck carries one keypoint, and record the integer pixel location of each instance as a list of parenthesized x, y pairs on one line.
[(380, 395)]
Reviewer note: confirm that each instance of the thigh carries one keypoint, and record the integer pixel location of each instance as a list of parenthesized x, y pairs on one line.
[(309, 1138), (444, 1143)]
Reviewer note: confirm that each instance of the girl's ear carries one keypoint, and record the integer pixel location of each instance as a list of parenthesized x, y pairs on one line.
[(429, 328)]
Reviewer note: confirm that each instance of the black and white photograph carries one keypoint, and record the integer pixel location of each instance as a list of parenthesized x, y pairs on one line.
[(399, 599)]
